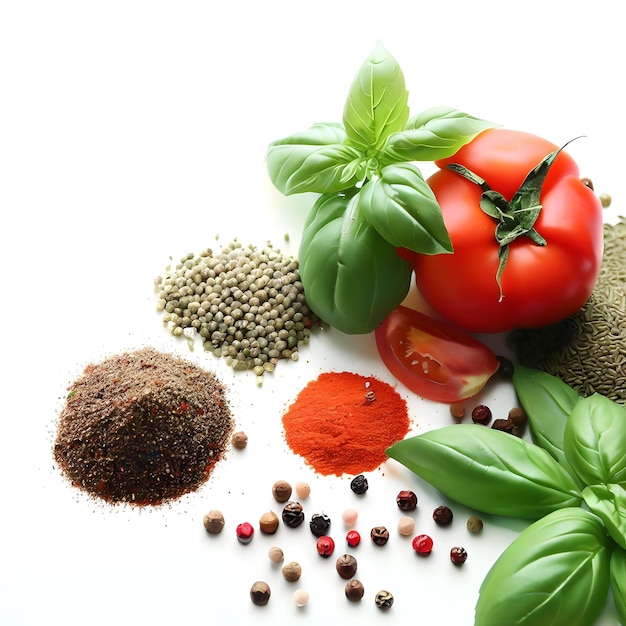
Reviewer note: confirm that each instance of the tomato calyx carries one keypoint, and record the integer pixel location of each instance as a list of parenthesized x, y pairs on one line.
[(515, 218)]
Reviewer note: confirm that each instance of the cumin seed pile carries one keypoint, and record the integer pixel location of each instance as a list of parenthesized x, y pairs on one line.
[(143, 428), (588, 349)]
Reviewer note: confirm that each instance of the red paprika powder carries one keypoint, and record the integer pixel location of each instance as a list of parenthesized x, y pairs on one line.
[(342, 423)]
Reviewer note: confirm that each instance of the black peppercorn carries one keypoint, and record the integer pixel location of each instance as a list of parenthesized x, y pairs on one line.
[(379, 535), (359, 484), (406, 501), (442, 515), (319, 524), (260, 593), (293, 514)]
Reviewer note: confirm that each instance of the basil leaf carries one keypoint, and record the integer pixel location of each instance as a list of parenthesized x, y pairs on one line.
[(608, 502), (352, 277), (555, 572), (436, 133), (595, 440), (313, 161), (403, 209), (377, 103), (618, 582), (488, 470), (548, 402)]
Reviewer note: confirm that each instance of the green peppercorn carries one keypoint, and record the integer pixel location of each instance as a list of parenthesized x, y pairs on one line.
[(474, 524)]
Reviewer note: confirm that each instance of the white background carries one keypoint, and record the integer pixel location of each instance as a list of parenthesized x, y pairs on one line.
[(135, 131)]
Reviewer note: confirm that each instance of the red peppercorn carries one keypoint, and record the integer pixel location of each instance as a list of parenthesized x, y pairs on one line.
[(406, 500), (422, 544), (353, 538), (458, 555), (481, 414), (442, 515), (245, 532), (325, 546)]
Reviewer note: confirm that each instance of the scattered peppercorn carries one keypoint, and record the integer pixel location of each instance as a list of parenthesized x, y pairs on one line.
[(481, 414), (268, 523), (349, 517), (281, 490), (506, 366), (379, 535), (260, 593), (292, 571), (422, 544), (605, 200), (293, 515), (587, 182), (354, 590), (353, 538), (406, 525), (518, 416), (346, 566), (213, 522), (504, 425), (359, 484), (301, 597), (239, 440), (406, 500), (303, 490), (384, 599), (245, 532), (442, 515), (319, 524), (474, 524), (458, 555), (457, 410), (276, 554), (370, 396), (325, 546)]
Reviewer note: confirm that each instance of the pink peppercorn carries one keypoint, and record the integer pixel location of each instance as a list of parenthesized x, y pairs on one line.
[(422, 544), (325, 546), (245, 532), (353, 538)]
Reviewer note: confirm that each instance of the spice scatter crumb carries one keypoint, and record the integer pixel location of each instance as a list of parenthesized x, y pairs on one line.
[(142, 428)]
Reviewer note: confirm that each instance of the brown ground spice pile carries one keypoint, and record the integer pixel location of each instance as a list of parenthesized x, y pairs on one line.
[(142, 428)]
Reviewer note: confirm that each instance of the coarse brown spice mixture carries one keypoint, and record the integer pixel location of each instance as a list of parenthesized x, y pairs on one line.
[(588, 349), (142, 428)]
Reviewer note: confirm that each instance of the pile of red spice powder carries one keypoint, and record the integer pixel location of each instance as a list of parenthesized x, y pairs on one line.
[(342, 423)]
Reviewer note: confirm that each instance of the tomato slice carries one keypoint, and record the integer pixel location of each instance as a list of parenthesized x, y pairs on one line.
[(433, 359)]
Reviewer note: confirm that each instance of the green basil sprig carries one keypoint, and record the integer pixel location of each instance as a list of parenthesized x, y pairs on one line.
[(540, 579), (351, 273), (501, 474), (559, 569)]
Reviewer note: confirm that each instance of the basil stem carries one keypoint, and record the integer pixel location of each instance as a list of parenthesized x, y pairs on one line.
[(555, 572), (489, 471), (618, 582)]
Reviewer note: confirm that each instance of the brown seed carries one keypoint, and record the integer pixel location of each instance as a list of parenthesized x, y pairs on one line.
[(276, 554), (504, 425), (379, 535), (213, 522), (354, 590), (260, 593), (239, 440), (457, 410), (346, 566), (518, 416), (292, 571), (587, 182), (268, 523), (281, 490), (442, 515), (481, 414)]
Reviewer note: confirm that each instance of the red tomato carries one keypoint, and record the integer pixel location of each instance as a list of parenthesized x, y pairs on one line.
[(539, 285), (433, 359)]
